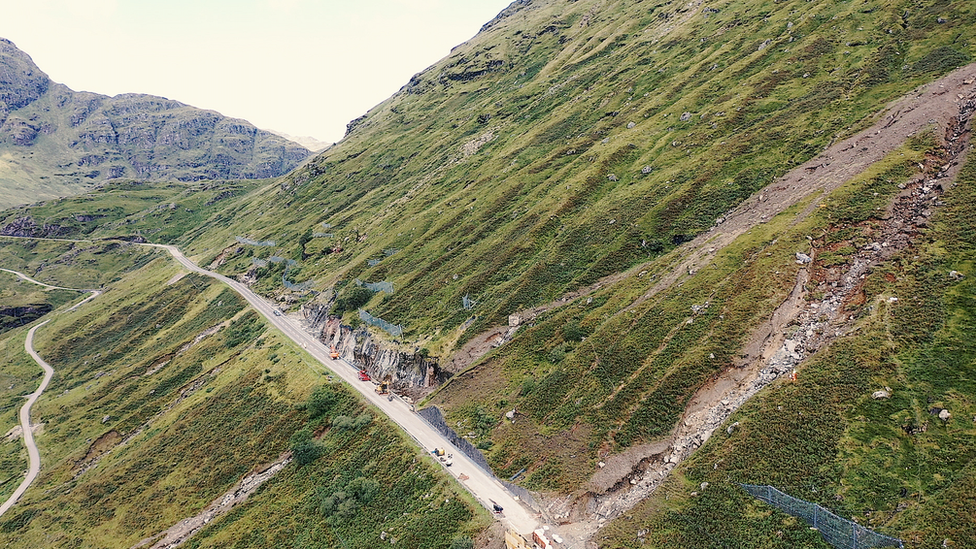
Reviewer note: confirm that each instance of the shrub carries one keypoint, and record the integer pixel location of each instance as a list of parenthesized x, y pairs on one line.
[(572, 331), (352, 299), (306, 452), (322, 399)]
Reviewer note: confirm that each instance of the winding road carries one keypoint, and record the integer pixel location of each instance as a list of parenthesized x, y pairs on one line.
[(480, 483), (33, 454), (483, 485)]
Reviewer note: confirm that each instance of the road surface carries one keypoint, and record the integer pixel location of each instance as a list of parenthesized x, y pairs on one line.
[(480, 483), (33, 454), (39, 283)]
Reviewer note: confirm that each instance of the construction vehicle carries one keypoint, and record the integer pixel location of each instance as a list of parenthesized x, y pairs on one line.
[(445, 458), (384, 386), (363, 376), (333, 353)]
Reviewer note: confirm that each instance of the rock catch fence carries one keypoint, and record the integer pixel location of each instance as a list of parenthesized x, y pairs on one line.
[(837, 531), (250, 242), (383, 286), (435, 418), (395, 330)]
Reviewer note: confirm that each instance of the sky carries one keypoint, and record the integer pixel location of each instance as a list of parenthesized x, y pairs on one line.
[(302, 67)]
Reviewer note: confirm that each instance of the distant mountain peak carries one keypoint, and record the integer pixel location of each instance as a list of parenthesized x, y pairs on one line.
[(56, 142)]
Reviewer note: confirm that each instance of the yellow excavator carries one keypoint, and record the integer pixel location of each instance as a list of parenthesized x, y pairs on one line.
[(383, 388)]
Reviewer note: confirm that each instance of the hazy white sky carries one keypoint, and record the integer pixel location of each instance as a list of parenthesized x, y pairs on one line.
[(303, 67)]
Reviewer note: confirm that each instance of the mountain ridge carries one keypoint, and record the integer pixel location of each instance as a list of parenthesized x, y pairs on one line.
[(55, 141), (582, 154)]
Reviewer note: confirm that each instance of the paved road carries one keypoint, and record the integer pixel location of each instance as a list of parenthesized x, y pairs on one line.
[(483, 485)]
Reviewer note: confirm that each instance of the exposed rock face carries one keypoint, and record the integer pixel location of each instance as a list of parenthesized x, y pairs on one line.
[(21, 82), (13, 317), (96, 138), (26, 227), (409, 373)]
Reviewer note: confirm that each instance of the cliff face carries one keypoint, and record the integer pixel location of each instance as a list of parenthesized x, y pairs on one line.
[(411, 374), (21, 82), (55, 141)]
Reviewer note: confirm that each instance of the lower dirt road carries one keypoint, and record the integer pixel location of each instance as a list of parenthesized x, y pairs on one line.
[(33, 454)]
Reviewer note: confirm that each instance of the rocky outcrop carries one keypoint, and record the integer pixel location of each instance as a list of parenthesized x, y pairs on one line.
[(410, 373), (27, 227), (21, 82), (13, 317)]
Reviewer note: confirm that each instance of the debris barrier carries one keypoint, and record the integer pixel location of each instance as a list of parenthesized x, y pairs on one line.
[(383, 286), (249, 242), (837, 531), (435, 418), (395, 330)]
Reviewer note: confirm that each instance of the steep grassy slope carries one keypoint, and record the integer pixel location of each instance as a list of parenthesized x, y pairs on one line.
[(57, 142), (168, 391), (891, 462), (571, 140)]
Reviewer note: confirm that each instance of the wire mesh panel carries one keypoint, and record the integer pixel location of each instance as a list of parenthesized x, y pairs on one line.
[(382, 286), (393, 329), (249, 242), (837, 531)]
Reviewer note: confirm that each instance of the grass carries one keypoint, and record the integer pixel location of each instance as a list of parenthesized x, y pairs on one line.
[(533, 213), (602, 140), (889, 464), (183, 369)]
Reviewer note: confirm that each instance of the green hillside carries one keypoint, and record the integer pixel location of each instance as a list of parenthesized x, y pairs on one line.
[(169, 391), (680, 202)]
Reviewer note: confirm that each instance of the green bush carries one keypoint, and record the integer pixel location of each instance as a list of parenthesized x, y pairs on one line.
[(322, 399), (352, 299), (572, 331), (306, 452)]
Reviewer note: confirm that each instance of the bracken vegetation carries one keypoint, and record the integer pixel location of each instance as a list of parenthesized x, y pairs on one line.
[(567, 144)]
